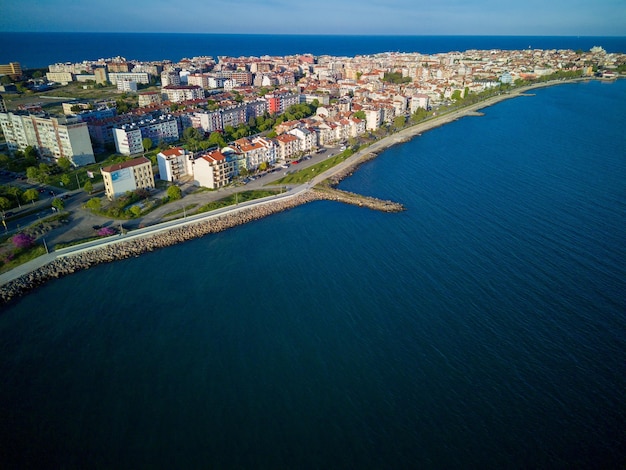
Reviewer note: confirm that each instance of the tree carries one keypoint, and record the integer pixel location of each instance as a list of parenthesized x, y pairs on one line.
[(4, 204), (64, 163), (174, 193), (147, 143), (22, 240), (398, 122), (58, 203), (217, 139), (65, 179), (94, 204), (106, 232), (33, 173), (135, 210), (16, 192), (31, 195), (88, 187)]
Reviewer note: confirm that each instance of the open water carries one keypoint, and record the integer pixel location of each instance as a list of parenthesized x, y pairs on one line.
[(36, 50), (485, 327)]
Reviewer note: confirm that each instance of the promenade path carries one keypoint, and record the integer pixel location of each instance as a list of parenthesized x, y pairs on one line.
[(153, 223)]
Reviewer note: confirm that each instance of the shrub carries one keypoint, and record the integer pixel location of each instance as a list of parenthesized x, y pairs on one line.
[(106, 232), (22, 240)]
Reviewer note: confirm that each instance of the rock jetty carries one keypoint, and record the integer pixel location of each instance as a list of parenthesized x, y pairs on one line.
[(69, 264)]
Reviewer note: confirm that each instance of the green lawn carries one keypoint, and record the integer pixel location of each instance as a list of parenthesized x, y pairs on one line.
[(307, 174)]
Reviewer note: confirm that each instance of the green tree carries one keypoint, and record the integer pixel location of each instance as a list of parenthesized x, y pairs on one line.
[(65, 179), (64, 163), (94, 204), (147, 143), (174, 193), (135, 210), (58, 203), (16, 192), (360, 115), (30, 195), (44, 172), (399, 121), (216, 138), (33, 173), (4, 204), (88, 187)]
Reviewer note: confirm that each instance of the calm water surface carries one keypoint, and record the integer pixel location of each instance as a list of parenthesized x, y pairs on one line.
[(482, 328)]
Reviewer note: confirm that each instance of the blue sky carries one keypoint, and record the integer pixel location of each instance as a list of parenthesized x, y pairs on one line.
[(412, 17)]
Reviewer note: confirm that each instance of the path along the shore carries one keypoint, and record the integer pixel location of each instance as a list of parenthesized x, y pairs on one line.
[(65, 261)]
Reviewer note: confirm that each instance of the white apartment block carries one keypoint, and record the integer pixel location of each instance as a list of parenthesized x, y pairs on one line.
[(419, 101), (213, 170), (139, 77), (53, 138), (148, 98), (60, 77), (174, 164), (198, 79), (129, 137), (127, 86), (180, 93), (256, 151), (127, 176), (170, 78)]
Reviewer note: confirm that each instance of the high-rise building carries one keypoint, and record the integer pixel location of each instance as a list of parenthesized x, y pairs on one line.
[(52, 137)]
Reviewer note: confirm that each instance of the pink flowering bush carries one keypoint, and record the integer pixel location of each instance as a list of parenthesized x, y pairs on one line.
[(22, 240), (106, 232)]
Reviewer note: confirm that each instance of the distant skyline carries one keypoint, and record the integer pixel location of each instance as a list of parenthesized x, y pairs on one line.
[(391, 17)]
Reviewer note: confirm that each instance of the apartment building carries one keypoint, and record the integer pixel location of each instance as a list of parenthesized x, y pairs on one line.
[(148, 98), (60, 77), (255, 151), (52, 137), (213, 170), (287, 146), (180, 93), (174, 164), (139, 77), (12, 69), (127, 176), (129, 137), (278, 103)]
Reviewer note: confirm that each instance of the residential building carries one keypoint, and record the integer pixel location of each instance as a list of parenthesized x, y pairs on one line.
[(129, 137), (170, 78), (12, 69), (278, 103), (287, 146), (256, 151), (174, 164), (60, 77), (101, 75), (139, 77), (53, 138), (127, 86), (3, 106), (213, 170), (182, 93), (148, 98), (127, 176)]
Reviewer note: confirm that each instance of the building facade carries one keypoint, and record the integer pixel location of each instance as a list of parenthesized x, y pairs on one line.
[(174, 164), (127, 176), (53, 138)]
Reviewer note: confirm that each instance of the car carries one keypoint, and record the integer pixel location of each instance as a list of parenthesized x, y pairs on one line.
[(295, 162), (41, 190), (8, 214)]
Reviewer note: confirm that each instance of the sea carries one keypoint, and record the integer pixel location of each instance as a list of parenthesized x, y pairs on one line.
[(39, 50), (484, 327)]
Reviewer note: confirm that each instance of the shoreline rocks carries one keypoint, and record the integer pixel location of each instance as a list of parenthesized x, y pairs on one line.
[(63, 266)]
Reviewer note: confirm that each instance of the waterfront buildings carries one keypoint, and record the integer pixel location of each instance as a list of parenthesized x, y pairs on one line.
[(174, 164), (214, 169), (127, 176), (52, 137), (12, 69), (178, 93), (129, 137)]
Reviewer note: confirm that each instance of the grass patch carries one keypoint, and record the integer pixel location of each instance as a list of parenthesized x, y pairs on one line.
[(235, 199), (187, 208), (307, 174), (21, 257)]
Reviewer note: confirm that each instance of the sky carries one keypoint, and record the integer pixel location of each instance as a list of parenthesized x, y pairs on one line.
[(363, 17)]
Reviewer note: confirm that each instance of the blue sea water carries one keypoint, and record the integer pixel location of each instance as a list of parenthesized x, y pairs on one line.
[(35, 50), (485, 327)]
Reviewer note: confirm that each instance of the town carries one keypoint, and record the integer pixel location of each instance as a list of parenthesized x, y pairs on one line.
[(213, 124)]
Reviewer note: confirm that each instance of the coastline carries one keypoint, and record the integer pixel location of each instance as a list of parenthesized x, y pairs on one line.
[(54, 265)]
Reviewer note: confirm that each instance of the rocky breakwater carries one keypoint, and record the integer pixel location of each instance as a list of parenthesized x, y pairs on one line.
[(333, 194), (124, 249)]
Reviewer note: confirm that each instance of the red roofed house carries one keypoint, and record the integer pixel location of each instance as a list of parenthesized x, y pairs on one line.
[(213, 170)]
